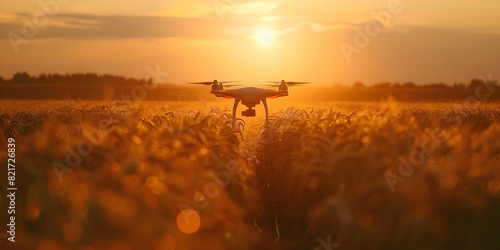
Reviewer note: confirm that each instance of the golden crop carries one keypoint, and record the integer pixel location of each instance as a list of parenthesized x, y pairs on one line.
[(158, 175)]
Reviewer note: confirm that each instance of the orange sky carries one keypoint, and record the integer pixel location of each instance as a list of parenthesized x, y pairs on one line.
[(324, 41)]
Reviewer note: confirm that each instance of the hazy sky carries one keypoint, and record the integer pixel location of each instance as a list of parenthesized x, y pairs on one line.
[(324, 41)]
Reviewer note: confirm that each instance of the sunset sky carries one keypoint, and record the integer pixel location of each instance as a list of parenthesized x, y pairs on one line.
[(199, 40)]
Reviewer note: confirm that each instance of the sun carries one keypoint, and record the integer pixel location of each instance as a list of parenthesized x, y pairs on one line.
[(265, 37)]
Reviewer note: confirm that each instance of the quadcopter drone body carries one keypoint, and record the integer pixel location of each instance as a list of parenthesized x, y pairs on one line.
[(249, 96)]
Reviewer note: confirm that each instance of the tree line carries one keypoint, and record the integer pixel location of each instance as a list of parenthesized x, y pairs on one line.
[(75, 78), (91, 86), (100, 79)]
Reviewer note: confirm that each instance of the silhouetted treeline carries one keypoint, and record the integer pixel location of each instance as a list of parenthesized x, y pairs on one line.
[(476, 89), (474, 83), (111, 87), (75, 78)]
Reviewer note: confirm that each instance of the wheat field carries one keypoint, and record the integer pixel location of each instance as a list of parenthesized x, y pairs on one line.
[(174, 175)]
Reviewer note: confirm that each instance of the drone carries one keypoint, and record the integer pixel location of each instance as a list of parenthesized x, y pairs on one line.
[(249, 96)]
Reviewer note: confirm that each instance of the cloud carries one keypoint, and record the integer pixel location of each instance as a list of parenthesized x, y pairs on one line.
[(282, 26), (78, 26), (316, 27), (252, 7), (92, 26), (6, 17), (75, 22), (186, 8)]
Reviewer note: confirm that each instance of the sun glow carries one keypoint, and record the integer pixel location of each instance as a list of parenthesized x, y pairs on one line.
[(265, 37)]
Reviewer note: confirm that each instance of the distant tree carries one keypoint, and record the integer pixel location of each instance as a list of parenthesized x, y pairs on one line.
[(409, 85), (490, 82), (1, 79), (55, 77), (42, 78), (21, 77), (436, 85), (475, 82), (358, 85), (383, 85)]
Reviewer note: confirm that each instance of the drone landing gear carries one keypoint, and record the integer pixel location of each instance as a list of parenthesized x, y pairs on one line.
[(235, 105), (264, 101)]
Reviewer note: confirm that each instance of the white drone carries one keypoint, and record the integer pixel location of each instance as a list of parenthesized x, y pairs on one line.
[(249, 96)]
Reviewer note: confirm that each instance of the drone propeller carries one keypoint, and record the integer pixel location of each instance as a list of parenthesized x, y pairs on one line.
[(214, 82), (201, 83), (296, 83), (269, 81), (227, 82), (283, 81)]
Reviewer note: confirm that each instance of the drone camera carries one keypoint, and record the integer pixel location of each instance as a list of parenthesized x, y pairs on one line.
[(250, 112)]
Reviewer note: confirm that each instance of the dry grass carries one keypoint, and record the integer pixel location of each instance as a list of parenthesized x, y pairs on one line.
[(126, 193), (323, 171), (315, 173)]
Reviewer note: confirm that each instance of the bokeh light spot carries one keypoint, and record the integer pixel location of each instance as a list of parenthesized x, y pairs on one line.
[(32, 211), (188, 221)]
